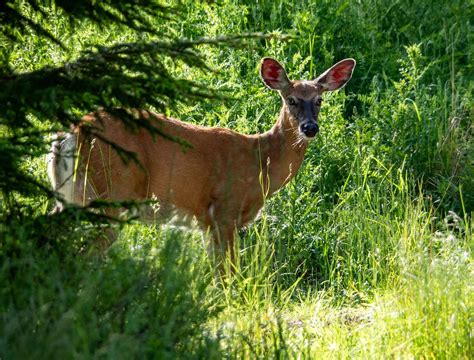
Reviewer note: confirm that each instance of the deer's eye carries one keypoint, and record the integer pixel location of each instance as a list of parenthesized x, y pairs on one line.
[(318, 101), (291, 101)]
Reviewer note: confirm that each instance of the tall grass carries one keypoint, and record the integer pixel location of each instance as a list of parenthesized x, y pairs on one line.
[(367, 253), (422, 308)]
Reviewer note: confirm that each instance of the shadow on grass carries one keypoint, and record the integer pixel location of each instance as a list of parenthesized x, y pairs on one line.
[(153, 304)]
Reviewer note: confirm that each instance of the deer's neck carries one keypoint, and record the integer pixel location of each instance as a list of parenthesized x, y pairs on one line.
[(281, 152)]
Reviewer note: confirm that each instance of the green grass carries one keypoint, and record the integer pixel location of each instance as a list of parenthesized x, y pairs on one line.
[(367, 253)]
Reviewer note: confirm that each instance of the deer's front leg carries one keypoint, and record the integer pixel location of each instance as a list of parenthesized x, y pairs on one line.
[(222, 227), (223, 242)]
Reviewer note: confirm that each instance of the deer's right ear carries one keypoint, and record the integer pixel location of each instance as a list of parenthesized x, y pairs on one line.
[(273, 74)]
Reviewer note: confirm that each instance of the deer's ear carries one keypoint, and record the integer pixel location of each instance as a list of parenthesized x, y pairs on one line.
[(337, 76), (273, 74)]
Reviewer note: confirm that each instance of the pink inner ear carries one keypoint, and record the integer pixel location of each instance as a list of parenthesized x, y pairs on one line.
[(271, 70), (337, 75), (341, 73)]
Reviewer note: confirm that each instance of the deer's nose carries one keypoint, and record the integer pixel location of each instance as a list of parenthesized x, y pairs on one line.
[(310, 129)]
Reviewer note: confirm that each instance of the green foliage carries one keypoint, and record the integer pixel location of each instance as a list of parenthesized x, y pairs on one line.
[(367, 253), (150, 304)]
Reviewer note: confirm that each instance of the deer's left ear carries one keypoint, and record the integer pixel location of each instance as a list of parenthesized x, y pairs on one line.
[(337, 76)]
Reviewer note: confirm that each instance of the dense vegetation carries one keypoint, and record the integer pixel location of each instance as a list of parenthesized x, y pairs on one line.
[(367, 253)]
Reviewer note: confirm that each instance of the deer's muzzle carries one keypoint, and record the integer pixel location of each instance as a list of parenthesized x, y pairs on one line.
[(309, 129)]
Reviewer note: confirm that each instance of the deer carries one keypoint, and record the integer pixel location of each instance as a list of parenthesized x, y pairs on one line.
[(220, 181)]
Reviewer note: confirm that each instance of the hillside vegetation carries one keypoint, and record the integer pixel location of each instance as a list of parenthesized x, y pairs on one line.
[(365, 254)]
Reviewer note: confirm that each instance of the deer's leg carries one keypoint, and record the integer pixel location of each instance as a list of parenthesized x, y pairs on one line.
[(223, 242), (106, 236), (221, 249), (222, 231)]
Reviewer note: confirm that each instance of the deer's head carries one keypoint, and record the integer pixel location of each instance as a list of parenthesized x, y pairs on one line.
[(301, 98)]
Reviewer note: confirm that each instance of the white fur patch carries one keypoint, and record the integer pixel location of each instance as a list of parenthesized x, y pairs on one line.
[(61, 162)]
